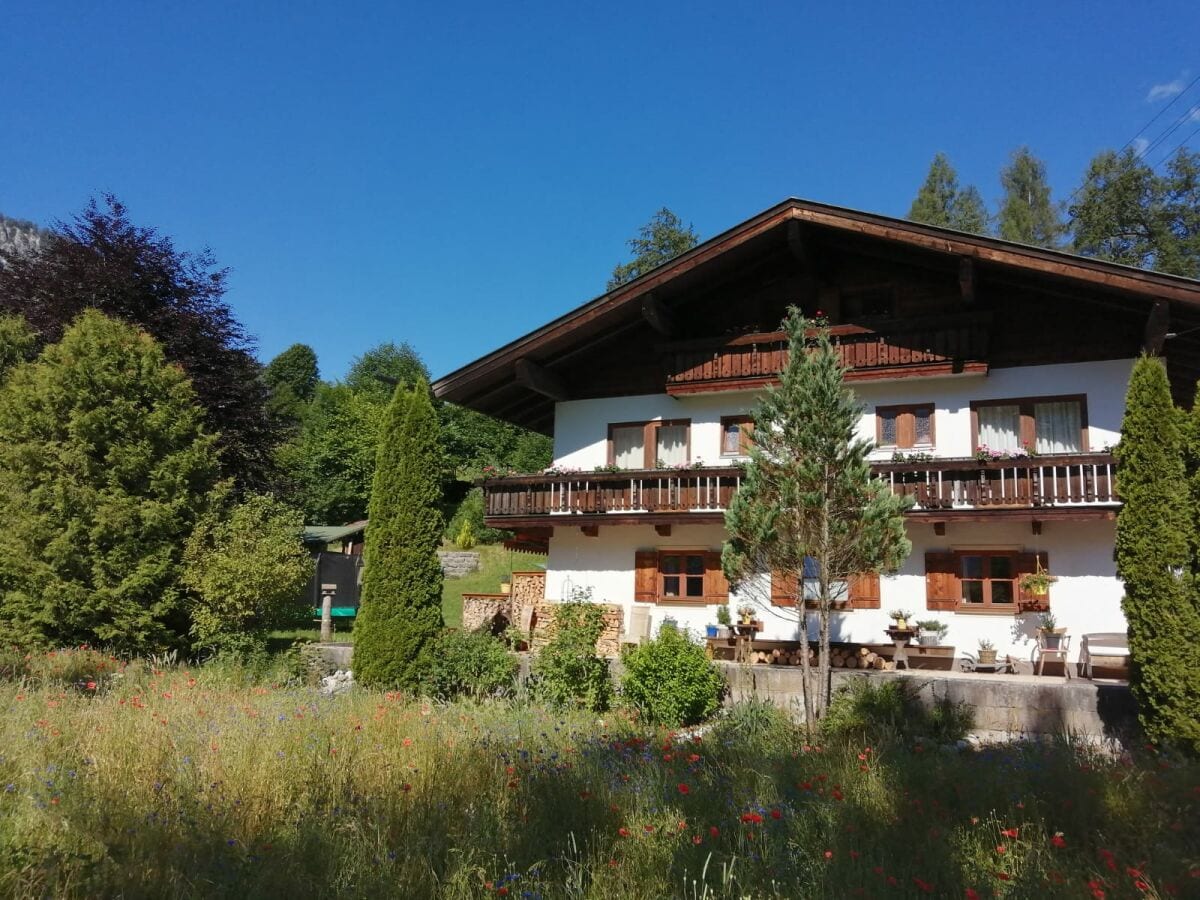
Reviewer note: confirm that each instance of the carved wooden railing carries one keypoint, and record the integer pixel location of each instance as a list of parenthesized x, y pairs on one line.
[(1085, 479), (898, 346)]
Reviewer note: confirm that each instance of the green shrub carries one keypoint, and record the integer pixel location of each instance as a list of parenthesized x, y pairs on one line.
[(567, 672), (870, 712), (466, 537), (752, 726), (470, 512), (670, 681), (471, 664)]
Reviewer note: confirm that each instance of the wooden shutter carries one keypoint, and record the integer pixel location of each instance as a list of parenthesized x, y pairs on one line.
[(864, 591), (1026, 564), (645, 576), (784, 588), (716, 585), (942, 588)]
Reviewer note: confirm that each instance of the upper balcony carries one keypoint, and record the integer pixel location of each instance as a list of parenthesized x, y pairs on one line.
[(895, 348), (1074, 486)]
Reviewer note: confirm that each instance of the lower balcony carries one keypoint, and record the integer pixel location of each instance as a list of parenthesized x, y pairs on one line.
[(1041, 487)]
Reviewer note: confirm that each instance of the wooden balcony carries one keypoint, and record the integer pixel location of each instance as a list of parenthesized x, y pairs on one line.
[(901, 348), (1068, 486)]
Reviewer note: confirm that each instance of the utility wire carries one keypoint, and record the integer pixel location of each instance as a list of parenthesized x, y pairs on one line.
[(1184, 118), (1178, 147), (1158, 114)]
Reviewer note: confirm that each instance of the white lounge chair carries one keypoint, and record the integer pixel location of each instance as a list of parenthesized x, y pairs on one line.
[(638, 630), (1103, 643)]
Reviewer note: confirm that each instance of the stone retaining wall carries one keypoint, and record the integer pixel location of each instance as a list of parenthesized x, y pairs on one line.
[(457, 563), (1009, 705)]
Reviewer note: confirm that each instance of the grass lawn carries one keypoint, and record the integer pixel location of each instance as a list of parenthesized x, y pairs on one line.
[(200, 783), (494, 563)]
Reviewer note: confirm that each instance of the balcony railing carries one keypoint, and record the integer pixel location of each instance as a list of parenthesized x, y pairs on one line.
[(897, 348), (1075, 480)]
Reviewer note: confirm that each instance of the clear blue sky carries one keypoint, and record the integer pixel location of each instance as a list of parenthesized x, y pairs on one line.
[(455, 176)]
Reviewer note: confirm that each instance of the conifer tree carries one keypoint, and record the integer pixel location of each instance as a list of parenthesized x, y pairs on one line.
[(808, 493), (105, 468), (940, 202), (402, 584), (1152, 560), (1027, 214), (969, 212), (660, 240)]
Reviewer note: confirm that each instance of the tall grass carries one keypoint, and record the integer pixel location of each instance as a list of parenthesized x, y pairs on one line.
[(199, 783)]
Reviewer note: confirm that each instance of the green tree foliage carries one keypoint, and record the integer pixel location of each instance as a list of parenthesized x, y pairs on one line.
[(292, 377), (670, 680), (567, 672), (474, 441), (940, 202), (18, 343), (247, 568), (332, 461), (105, 467), (808, 492), (1027, 214), (402, 584), (660, 240), (473, 665), (102, 260), (377, 372), (1152, 560), (1128, 213)]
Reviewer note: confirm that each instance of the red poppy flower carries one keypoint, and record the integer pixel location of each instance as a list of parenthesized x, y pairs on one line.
[(683, 788), (1058, 841), (1001, 849), (776, 815), (972, 894), (752, 817), (623, 832), (697, 839), (829, 854), (1010, 833), (923, 886), (714, 831), (1003, 876), (648, 828)]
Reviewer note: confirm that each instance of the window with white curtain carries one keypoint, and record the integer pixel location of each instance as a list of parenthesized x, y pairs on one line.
[(1058, 426), (629, 446), (1000, 427), (671, 449)]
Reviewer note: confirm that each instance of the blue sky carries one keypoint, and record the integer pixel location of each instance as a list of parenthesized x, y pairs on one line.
[(454, 175)]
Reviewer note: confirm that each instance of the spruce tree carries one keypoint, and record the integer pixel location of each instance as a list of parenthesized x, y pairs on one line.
[(968, 212), (660, 240), (402, 584), (105, 467), (1027, 214), (935, 199), (808, 492), (1153, 557)]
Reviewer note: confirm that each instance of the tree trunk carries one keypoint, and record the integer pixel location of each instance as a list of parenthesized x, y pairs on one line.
[(805, 669)]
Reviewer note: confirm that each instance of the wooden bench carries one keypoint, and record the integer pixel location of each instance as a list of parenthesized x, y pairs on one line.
[(1102, 643)]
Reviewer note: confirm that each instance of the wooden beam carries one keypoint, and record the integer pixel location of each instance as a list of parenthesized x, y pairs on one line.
[(1037, 526), (655, 312), (663, 530), (966, 279), (540, 380), (939, 528), (590, 530), (1158, 323)]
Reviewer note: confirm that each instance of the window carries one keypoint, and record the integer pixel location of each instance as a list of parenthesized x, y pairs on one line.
[(681, 575), (736, 432), (783, 586), (646, 445), (1040, 424), (989, 580), (904, 427)]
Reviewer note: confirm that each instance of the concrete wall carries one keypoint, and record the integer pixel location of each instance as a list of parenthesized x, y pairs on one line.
[(1086, 598), (581, 426)]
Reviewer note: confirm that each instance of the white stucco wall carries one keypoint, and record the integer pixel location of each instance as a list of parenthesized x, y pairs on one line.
[(1086, 597), (581, 426)]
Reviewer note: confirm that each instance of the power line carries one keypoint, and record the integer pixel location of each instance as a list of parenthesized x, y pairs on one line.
[(1186, 117), (1178, 147), (1158, 114)]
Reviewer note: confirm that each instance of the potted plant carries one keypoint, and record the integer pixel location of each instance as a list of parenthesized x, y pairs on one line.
[(745, 614), (931, 631), (900, 619), (987, 652), (724, 620), (1052, 635), (506, 584), (1037, 582)]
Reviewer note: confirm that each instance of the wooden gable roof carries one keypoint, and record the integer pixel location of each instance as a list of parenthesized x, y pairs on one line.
[(606, 346)]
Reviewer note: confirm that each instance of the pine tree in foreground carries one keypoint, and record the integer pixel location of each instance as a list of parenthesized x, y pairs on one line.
[(402, 584), (1152, 560)]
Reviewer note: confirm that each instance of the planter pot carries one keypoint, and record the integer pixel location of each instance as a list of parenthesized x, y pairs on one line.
[(723, 632), (1052, 640), (900, 624), (987, 657), (928, 638), (506, 588), (710, 631)]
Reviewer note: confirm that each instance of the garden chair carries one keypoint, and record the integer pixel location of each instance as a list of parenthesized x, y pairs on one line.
[(1103, 643), (1058, 651), (638, 631)]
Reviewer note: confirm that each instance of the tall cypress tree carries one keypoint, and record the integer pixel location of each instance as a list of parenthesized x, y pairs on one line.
[(402, 583), (1153, 558)]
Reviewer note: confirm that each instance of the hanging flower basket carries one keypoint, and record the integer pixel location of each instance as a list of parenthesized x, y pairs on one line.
[(1037, 583)]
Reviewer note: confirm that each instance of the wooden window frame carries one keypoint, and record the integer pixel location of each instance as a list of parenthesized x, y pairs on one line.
[(1028, 427), (649, 439), (682, 598), (906, 426), (744, 435), (987, 607)]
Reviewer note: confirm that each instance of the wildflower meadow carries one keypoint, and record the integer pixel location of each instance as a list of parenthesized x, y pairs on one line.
[(136, 781)]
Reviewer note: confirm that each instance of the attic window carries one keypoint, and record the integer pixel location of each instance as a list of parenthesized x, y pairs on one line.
[(873, 302)]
